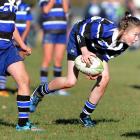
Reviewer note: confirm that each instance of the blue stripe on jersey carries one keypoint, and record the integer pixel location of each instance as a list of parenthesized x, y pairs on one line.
[(21, 30), (22, 16), (7, 27), (23, 104), (55, 26), (56, 14), (95, 30), (108, 30)]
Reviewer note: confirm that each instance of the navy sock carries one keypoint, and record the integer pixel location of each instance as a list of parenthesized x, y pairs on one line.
[(57, 71), (23, 103), (43, 90), (87, 109), (43, 75)]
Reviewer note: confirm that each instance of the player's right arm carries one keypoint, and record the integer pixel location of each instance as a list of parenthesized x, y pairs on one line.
[(86, 54), (47, 5), (22, 45)]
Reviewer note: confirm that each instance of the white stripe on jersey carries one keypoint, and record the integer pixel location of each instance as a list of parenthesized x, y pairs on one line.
[(28, 9), (4, 39), (83, 29), (21, 13), (56, 10), (20, 25), (99, 28), (7, 21), (54, 22), (95, 18)]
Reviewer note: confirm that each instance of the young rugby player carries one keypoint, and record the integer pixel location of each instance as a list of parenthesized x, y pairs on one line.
[(94, 36)]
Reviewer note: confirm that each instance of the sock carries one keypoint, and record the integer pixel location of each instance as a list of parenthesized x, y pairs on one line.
[(88, 109), (3, 80), (44, 75), (43, 90), (57, 71), (23, 103)]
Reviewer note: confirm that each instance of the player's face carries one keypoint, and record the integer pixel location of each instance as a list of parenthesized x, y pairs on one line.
[(130, 36)]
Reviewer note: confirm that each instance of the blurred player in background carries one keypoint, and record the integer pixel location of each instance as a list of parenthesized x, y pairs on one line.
[(23, 23), (98, 37), (54, 26), (94, 9)]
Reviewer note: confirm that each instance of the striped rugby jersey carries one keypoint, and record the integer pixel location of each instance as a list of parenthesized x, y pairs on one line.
[(7, 22), (100, 36), (55, 20), (23, 14)]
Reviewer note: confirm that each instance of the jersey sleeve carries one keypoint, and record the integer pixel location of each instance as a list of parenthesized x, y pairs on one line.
[(43, 2), (81, 40), (29, 15)]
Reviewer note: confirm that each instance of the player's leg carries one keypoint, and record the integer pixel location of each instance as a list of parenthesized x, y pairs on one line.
[(23, 98), (59, 51), (95, 96), (55, 84), (3, 91), (47, 57)]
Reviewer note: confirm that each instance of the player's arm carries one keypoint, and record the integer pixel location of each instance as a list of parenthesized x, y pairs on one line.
[(27, 30), (86, 54), (47, 6), (66, 6), (19, 40), (28, 24)]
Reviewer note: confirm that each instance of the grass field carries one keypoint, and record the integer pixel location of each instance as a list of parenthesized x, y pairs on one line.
[(117, 115)]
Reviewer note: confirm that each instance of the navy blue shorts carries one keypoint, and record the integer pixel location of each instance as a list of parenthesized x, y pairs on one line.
[(7, 57), (73, 49), (54, 38)]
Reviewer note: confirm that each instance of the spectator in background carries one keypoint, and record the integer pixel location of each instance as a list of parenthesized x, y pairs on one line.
[(23, 22), (94, 9), (54, 26), (113, 9)]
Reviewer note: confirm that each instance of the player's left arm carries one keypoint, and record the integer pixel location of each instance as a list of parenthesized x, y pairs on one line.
[(19, 40), (27, 30), (66, 6), (28, 23), (86, 54)]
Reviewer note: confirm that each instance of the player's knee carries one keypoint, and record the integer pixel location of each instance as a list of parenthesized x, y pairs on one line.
[(70, 83), (105, 80), (24, 82)]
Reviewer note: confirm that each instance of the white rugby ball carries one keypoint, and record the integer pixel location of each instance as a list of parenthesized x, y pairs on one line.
[(94, 69)]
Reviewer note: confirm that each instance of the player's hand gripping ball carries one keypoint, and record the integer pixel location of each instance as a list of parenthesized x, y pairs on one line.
[(94, 69)]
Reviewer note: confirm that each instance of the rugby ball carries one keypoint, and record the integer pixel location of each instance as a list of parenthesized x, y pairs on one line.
[(94, 69)]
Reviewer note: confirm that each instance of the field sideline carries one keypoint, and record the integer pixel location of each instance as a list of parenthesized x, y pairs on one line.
[(117, 115)]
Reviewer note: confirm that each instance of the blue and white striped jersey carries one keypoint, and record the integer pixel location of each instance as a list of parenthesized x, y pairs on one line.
[(7, 22), (55, 20), (100, 36), (23, 15)]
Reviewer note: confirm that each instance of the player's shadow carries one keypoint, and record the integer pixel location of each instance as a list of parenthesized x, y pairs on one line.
[(135, 86), (5, 123), (77, 121), (132, 134)]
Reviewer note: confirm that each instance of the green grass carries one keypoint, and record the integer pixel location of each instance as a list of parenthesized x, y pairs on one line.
[(117, 115)]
